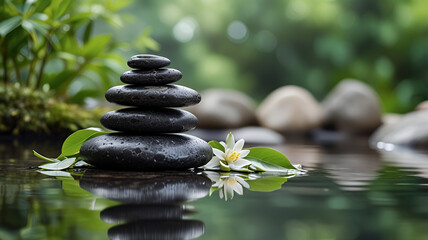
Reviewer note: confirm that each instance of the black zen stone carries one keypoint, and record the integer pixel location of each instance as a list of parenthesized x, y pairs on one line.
[(155, 152), (147, 61), (153, 96), (151, 77), (150, 120)]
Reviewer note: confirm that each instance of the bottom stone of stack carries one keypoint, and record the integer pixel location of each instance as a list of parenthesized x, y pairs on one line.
[(122, 151)]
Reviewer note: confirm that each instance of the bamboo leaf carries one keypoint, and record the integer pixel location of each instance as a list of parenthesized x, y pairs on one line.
[(9, 25)]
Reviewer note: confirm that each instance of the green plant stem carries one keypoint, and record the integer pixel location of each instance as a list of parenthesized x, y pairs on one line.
[(30, 71), (17, 72), (5, 73), (42, 65)]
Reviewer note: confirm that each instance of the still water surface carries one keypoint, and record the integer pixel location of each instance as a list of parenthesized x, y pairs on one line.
[(350, 192)]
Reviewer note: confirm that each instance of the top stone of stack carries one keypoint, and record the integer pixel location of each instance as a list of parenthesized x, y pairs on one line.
[(149, 71), (147, 61)]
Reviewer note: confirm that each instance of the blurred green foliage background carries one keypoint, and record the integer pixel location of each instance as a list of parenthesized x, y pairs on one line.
[(76, 50), (258, 46)]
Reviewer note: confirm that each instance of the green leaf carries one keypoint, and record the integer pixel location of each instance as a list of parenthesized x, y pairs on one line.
[(9, 25), (271, 156), (88, 31), (44, 158), (64, 164), (82, 163), (62, 7), (96, 45), (215, 144), (267, 184), (213, 189), (260, 165), (72, 144), (28, 4)]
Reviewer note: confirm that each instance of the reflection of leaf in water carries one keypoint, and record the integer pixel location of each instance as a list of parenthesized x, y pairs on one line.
[(267, 184), (55, 173)]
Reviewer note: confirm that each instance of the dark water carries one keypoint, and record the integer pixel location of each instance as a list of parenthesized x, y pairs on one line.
[(350, 192)]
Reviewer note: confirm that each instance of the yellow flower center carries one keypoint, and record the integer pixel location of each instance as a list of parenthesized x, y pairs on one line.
[(233, 157), (231, 181)]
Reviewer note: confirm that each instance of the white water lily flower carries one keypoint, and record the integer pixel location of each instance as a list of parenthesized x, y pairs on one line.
[(228, 184), (232, 158)]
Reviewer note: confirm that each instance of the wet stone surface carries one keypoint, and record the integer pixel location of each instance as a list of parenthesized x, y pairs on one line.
[(153, 96), (151, 77), (147, 61), (149, 120), (123, 151)]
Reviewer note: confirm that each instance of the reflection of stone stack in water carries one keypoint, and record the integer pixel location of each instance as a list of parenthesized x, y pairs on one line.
[(153, 203), (144, 142)]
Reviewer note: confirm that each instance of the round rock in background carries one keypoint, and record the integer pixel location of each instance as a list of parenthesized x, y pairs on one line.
[(151, 77), (352, 106), (153, 96), (221, 108), (150, 120), (423, 106), (147, 61), (290, 109), (411, 129), (156, 152)]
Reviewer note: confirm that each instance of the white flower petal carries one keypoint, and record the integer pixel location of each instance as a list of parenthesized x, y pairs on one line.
[(237, 188), (228, 190), (240, 163), (213, 176), (218, 153), (239, 145), (221, 193), (223, 144), (230, 141), (213, 163), (243, 182), (244, 153)]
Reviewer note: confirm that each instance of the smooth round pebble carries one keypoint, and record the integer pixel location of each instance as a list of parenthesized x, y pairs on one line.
[(151, 77), (153, 96), (150, 120), (148, 61), (155, 152)]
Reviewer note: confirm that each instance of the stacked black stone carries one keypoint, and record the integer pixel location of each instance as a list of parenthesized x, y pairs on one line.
[(148, 137)]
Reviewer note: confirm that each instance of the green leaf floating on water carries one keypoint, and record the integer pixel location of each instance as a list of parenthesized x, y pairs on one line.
[(270, 156), (231, 157), (64, 164), (72, 144), (70, 150)]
